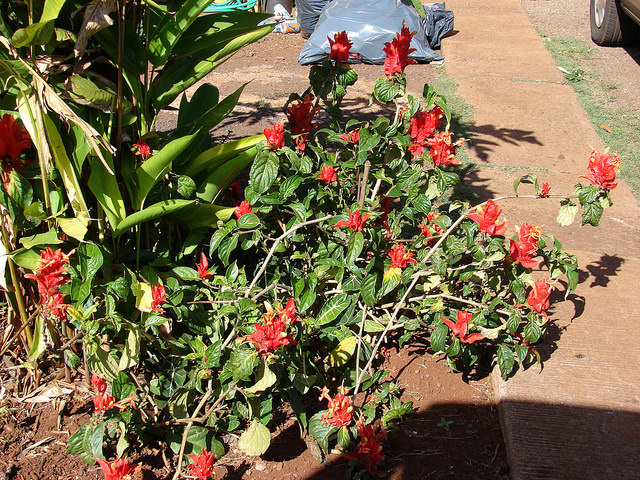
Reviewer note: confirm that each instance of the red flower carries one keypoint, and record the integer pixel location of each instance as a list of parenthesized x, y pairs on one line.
[(299, 114), (526, 247), (98, 383), (602, 170), (538, 298), (428, 227), (340, 408), (369, 449), (340, 46), (270, 335), (385, 206), (203, 266), (288, 314), (355, 222), (487, 219), (49, 276), (118, 470), (235, 193), (243, 209), (275, 136), (14, 139), (329, 174), (142, 149), (461, 327), (397, 52), (544, 192), (443, 149), (352, 137), (400, 258), (158, 298), (103, 402), (421, 127), (202, 466)]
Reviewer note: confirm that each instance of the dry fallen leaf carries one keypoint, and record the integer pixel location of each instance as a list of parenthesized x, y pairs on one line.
[(96, 17), (604, 127)]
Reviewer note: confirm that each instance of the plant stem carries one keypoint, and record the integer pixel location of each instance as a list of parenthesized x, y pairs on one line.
[(363, 185), (364, 317), (121, 8)]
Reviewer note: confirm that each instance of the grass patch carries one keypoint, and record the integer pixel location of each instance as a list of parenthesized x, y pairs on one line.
[(618, 128)]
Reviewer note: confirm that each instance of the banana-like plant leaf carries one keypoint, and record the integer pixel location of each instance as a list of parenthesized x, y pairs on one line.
[(41, 31), (212, 117), (167, 36), (179, 76), (153, 169), (152, 212), (85, 92), (204, 99), (224, 175), (105, 189), (214, 157), (204, 215)]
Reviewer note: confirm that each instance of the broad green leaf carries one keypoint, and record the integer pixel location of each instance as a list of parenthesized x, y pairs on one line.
[(152, 212), (390, 280), (592, 213), (334, 307), (49, 238), (248, 221), (321, 430), (242, 363), (343, 352), (101, 362), (203, 215), (90, 259), (356, 242), (506, 360), (264, 170), (255, 440), (154, 168), (369, 287), (214, 157), (186, 273), (265, 379), (144, 297), (74, 227), (106, 190), (439, 338), (220, 179), (385, 90), (214, 115), (567, 214), (371, 326), (71, 359), (38, 343), (87, 442), (131, 353), (532, 331)]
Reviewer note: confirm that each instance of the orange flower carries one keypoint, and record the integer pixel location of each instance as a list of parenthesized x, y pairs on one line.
[(397, 52), (340, 46), (538, 299), (243, 209), (487, 219), (400, 258), (329, 174), (602, 170), (422, 126), (443, 149), (203, 266), (460, 328), (356, 221), (275, 136), (202, 466), (340, 408)]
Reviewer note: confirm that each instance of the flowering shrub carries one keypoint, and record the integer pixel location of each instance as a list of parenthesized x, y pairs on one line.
[(345, 234)]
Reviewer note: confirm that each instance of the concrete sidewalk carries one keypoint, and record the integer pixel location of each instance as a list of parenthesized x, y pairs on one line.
[(580, 416)]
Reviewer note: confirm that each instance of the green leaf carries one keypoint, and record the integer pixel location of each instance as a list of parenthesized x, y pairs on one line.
[(334, 307), (385, 90), (522, 351), (532, 331), (49, 238), (566, 214), (203, 215), (356, 243), (248, 221), (321, 430), (214, 157), (122, 386), (343, 352), (186, 273), (87, 442), (220, 179), (255, 440), (368, 289), (90, 259), (506, 360), (152, 212), (265, 379), (439, 338), (213, 116), (529, 178), (101, 362), (71, 359), (264, 171), (131, 353), (242, 363), (592, 213), (38, 344), (104, 187)]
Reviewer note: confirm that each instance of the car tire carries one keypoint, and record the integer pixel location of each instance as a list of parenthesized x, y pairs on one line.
[(610, 26)]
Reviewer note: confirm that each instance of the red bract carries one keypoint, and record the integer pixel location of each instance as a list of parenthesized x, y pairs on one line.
[(275, 136), (355, 222), (14, 139), (203, 266), (340, 46), (98, 383), (421, 127), (118, 470), (288, 314), (270, 335), (340, 408), (400, 258), (443, 149), (142, 149), (428, 227), (202, 466), (602, 170), (369, 449), (50, 275), (299, 114), (158, 298), (544, 192), (487, 219), (461, 327), (526, 247), (243, 209), (538, 299), (329, 174), (352, 137), (103, 402), (397, 52)]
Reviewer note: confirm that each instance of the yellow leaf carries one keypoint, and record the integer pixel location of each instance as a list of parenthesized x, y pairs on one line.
[(144, 297), (342, 353), (74, 227)]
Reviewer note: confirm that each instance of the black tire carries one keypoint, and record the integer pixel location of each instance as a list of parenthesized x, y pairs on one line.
[(610, 26)]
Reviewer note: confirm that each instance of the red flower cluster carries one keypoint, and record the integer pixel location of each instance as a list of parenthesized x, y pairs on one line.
[(121, 469), (102, 401), (202, 466), (428, 227), (461, 327), (299, 114), (421, 127), (399, 256), (356, 221), (14, 139), (443, 149), (340, 408), (142, 149), (158, 298), (243, 209), (50, 275), (544, 191), (203, 267), (526, 247), (369, 449), (602, 170), (271, 334), (275, 136), (353, 137), (340, 46), (538, 299), (487, 219), (397, 52), (329, 174)]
